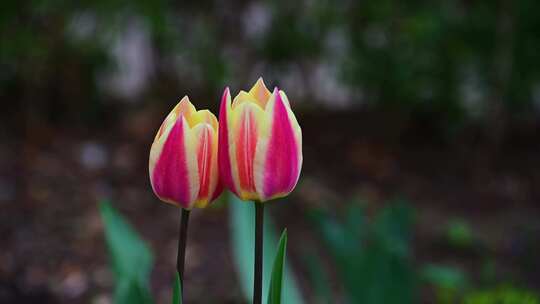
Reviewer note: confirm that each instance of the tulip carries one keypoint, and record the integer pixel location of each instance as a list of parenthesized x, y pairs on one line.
[(183, 159), (260, 144)]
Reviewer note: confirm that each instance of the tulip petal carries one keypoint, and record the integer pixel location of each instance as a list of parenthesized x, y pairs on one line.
[(279, 156), (207, 163), (242, 97), (187, 109), (224, 146), (173, 165), (260, 93), (205, 117), (246, 124)]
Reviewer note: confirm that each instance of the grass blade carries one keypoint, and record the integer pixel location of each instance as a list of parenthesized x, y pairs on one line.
[(177, 290), (276, 281)]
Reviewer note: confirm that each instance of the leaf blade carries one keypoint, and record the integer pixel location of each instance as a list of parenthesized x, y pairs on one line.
[(131, 257), (276, 280), (177, 290)]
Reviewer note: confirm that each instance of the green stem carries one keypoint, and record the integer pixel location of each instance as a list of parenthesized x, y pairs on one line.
[(258, 267), (182, 239)]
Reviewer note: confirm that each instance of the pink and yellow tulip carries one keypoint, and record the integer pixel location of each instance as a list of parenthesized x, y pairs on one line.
[(260, 144), (183, 159)]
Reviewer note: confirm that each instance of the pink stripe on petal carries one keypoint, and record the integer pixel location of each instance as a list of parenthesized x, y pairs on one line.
[(224, 158), (246, 138), (282, 157), (204, 161), (170, 178)]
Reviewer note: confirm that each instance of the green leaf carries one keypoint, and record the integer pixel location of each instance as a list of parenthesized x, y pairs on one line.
[(131, 258), (444, 276), (459, 233), (130, 292), (373, 257), (449, 282), (502, 295), (276, 281), (318, 279), (177, 291), (242, 219)]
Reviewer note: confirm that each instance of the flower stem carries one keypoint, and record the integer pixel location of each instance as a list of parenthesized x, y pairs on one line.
[(258, 267), (182, 238)]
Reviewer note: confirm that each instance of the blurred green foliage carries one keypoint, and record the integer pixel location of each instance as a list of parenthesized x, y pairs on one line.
[(460, 60), (459, 233), (449, 282), (446, 55), (131, 258), (451, 57), (375, 263), (242, 219), (373, 257), (502, 295)]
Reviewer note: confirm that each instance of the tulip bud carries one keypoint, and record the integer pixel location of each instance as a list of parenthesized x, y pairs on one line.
[(183, 158), (260, 144)]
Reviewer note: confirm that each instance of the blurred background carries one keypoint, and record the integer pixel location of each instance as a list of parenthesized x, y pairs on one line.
[(421, 123)]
